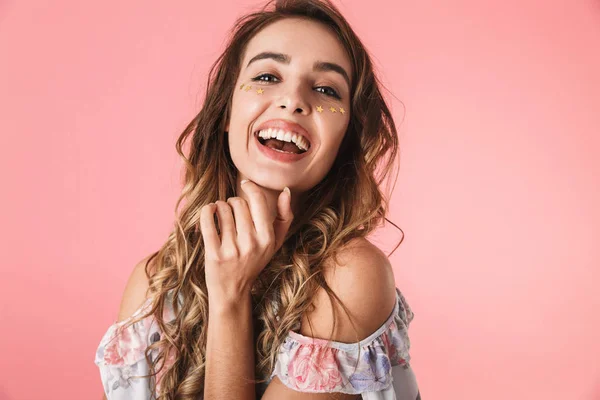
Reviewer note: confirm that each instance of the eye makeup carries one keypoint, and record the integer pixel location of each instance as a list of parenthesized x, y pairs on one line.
[(331, 93), (319, 108)]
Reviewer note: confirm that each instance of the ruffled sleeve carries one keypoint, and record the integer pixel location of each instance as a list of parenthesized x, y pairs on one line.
[(368, 367), (120, 356)]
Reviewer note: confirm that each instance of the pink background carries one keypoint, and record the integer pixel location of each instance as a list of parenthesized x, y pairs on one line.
[(498, 191)]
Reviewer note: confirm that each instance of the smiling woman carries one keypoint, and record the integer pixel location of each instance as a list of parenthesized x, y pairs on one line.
[(279, 197), (295, 74)]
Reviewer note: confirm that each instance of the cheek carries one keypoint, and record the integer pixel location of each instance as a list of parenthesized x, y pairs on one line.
[(334, 121), (251, 98)]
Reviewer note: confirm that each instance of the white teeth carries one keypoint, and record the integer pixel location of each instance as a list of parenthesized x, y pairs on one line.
[(282, 135)]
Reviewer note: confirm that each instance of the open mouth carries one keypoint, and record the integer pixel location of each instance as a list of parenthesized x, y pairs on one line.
[(288, 142)]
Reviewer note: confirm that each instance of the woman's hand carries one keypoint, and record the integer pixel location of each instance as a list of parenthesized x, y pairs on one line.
[(247, 244)]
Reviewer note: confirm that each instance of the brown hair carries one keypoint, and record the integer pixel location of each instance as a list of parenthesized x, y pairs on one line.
[(345, 205)]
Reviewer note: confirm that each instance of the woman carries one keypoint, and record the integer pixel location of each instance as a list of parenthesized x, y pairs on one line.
[(267, 287)]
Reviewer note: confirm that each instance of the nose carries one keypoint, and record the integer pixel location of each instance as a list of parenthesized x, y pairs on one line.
[(294, 101)]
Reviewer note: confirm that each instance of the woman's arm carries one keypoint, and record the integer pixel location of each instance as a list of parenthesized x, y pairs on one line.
[(229, 350), (234, 257)]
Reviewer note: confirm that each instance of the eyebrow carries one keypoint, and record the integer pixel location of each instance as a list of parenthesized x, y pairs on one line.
[(322, 66)]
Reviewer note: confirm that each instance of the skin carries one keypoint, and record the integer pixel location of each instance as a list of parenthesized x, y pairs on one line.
[(255, 223), (262, 213), (293, 93)]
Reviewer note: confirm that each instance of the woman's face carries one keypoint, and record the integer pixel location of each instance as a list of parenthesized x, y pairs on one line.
[(278, 81)]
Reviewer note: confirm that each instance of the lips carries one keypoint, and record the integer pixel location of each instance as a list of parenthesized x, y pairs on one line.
[(280, 156), (286, 125)]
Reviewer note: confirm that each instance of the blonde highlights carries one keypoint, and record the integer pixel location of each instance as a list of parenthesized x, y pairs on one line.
[(345, 205)]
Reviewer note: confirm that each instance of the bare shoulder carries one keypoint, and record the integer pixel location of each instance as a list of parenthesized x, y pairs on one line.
[(363, 279), (135, 291)]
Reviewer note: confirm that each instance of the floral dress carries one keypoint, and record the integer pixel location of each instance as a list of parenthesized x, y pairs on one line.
[(377, 368)]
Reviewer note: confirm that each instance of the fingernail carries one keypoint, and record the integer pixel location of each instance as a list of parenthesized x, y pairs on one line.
[(244, 181), (287, 189)]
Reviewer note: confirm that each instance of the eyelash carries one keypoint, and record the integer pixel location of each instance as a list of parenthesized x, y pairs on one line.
[(334, 94)]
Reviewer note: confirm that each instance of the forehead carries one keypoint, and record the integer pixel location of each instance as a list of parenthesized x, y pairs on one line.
[(304, 40)]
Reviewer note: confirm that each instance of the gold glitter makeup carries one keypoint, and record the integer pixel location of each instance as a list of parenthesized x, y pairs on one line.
[(247, 88), (332, 109)]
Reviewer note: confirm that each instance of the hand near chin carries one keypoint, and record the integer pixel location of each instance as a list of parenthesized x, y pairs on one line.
[(249, 239)]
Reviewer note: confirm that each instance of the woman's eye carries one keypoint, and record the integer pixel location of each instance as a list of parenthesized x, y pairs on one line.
[(331, 93), (260, 76)]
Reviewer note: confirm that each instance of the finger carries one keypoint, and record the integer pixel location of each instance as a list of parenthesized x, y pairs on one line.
[(284, 217), (258, 210), (243, 219), (210, 237), (226, 224)]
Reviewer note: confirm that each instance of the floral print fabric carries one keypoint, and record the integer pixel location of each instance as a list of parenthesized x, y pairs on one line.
[(377, 367), (313, 365), (120, 355)]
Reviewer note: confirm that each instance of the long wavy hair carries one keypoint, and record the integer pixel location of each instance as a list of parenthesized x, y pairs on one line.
[(345, 205)]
